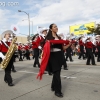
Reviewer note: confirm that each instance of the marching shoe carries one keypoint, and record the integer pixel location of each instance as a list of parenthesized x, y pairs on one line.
[(66, 60), (29, 59), (79, 58), (45, 72), (34, 65), (88, 64), (52, 89), (20, 59), (10, 84), (59, 95), (50, 73), (84, 58), (94, 64), (38, 65), (14, 71), (5, 81), (65, 68)]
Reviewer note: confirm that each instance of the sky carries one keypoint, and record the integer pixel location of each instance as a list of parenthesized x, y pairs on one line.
[(63, 13)]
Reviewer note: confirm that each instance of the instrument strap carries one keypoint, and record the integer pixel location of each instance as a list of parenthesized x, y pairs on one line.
[(5, 44)]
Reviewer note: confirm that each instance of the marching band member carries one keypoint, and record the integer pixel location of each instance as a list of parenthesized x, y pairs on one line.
[(89, 47), (81, 43), (64, 59), (20, 51), (24, 50), (43, 34), (16, 54), (68, 52), (96, 50), (33, 39), (27, 48), (13, 67), (4, 46), (73, 46), (35, 44), (98, 47)]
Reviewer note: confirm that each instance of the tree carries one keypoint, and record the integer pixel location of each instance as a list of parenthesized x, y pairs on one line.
[(95, 30)]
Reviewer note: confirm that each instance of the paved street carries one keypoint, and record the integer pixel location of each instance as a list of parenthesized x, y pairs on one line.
[(80, 82)]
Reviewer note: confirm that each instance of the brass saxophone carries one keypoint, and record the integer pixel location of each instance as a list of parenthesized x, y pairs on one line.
[(9, 54)]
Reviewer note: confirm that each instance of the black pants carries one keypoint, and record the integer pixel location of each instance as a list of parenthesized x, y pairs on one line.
[(68, 54), (33, 53), (14, 57), (90, 57), (64, 61), (13, 67), (56, 82), (98, 57), (27, 55), (94, 48), (86, 54), (36, 56), (81, 52), (20, 55), (7, 76)]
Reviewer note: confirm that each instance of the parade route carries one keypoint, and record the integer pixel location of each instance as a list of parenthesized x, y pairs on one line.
[(80, 82)]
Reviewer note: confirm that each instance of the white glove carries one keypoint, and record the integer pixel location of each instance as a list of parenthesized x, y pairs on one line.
[(2, 56), (39, 47)]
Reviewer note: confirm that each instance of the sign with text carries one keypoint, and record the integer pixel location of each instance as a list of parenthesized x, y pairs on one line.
[(81, 28)]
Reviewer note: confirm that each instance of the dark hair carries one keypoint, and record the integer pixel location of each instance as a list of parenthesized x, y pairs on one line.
[(34, 36), (79, 38), (49, 35)]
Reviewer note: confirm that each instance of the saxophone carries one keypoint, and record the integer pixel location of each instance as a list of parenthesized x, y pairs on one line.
[(9, 54)]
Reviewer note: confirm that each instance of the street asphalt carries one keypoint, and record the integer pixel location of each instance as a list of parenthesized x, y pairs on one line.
[(80, 82)]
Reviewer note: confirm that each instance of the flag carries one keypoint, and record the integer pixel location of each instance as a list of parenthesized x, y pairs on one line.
[(15, 29)]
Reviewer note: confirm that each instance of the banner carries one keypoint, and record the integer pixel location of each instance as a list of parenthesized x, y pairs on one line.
[(81, 28)]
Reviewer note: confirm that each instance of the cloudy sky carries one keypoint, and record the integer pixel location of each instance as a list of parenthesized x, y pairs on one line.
[(44, 12)]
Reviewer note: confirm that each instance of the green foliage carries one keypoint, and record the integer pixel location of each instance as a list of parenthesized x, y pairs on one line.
[(95, 30)]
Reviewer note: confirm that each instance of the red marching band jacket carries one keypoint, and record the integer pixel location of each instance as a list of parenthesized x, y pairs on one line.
[(23, 47), (81, 43), (20, 47), (97, 43), (89, 45), (3, 47), (36, 43), (72, 41), (27, 47)]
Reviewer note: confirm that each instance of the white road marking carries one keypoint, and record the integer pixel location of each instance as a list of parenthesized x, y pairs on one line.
[(71, 77), (68, 77), (27, 72), (46, 74)]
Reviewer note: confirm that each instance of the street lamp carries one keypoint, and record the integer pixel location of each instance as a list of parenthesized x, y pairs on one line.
[(28, 19), (32, 24)]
